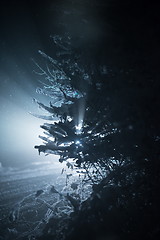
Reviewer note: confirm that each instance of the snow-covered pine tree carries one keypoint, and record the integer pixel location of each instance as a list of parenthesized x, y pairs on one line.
[(78, 111), (99, 120)]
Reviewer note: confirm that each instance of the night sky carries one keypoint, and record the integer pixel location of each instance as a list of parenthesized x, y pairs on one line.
[(26, 26), (24, 30)]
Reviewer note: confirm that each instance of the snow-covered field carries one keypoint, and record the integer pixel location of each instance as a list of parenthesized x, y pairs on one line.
[(20, 185), (29, 197)]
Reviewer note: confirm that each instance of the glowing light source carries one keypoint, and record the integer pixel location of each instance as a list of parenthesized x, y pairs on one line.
[(79, 128)]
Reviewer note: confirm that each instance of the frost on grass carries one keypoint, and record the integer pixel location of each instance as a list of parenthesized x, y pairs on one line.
[(32, 216)]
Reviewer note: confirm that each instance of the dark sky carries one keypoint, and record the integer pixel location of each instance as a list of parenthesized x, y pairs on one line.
[(25, 27)]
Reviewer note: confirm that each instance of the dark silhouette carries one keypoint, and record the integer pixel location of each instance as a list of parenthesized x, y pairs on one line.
[(109, 125)]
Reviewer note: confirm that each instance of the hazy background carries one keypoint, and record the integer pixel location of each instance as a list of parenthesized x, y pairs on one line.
[(25, 27), (111, 29)]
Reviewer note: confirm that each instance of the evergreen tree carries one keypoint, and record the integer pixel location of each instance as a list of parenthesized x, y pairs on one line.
[(107, 122), (81, 125)]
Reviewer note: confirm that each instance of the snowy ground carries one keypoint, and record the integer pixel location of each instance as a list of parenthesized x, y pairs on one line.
[(18, 187), (23, 211)]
